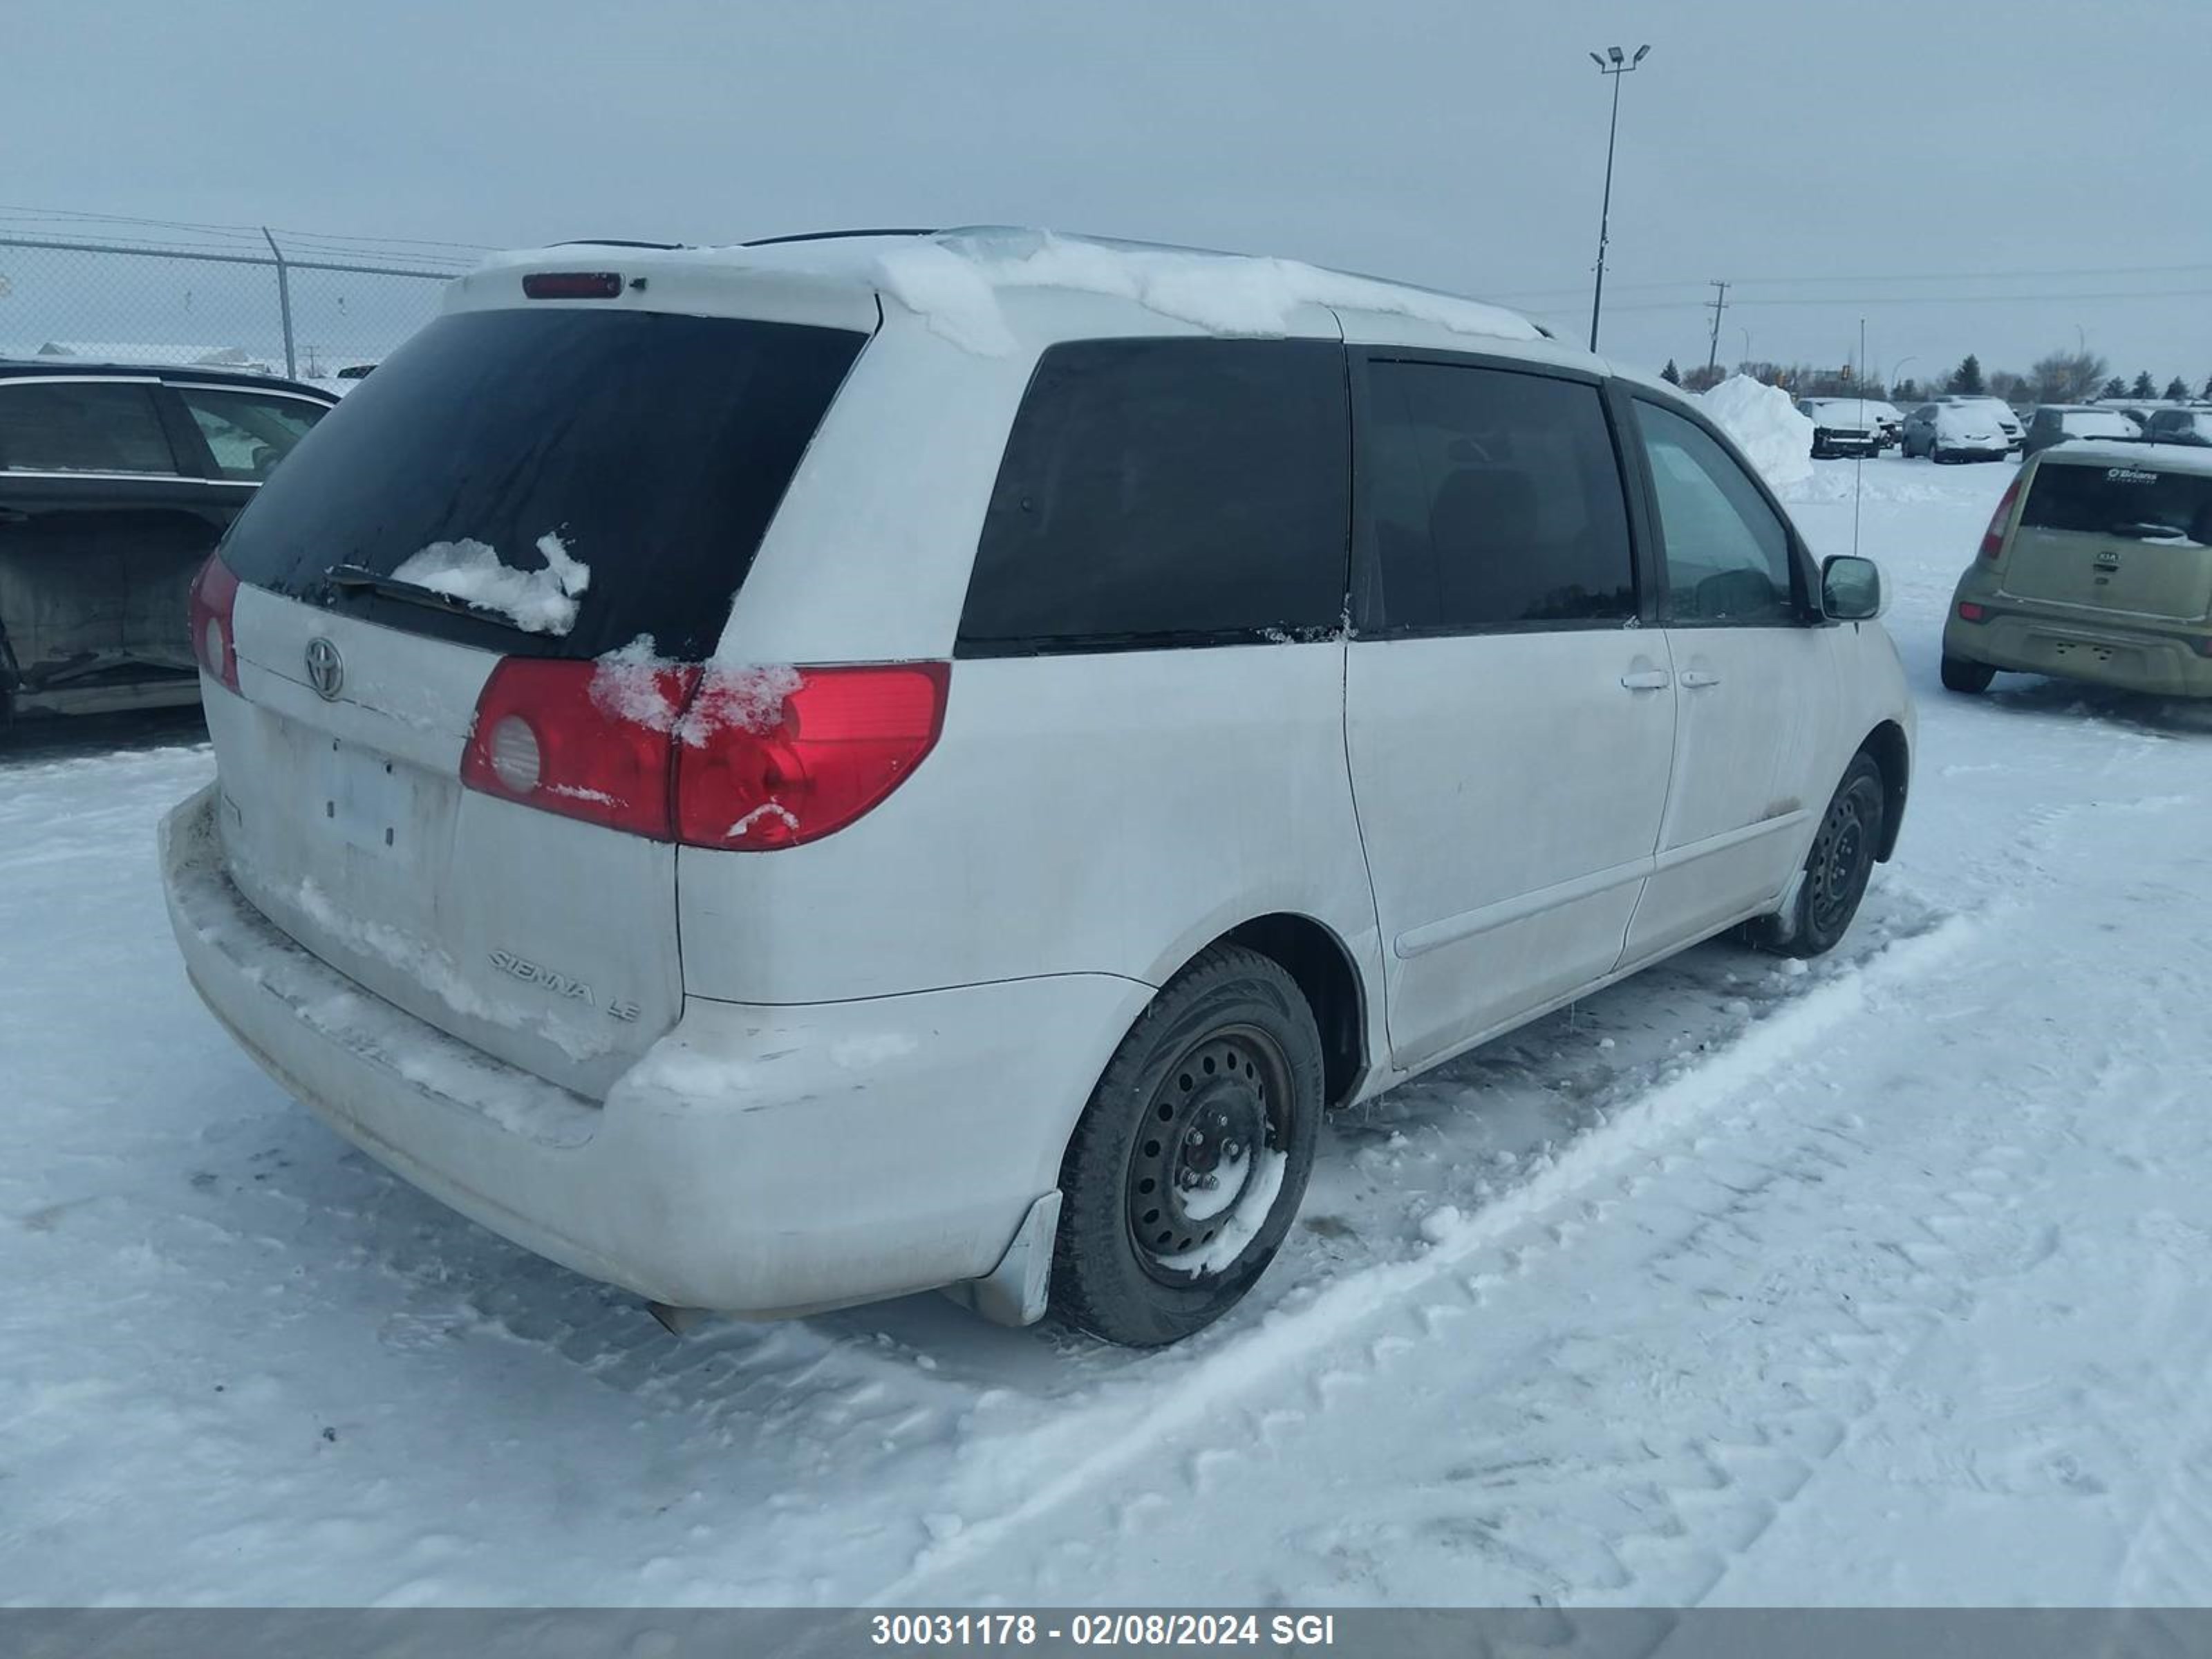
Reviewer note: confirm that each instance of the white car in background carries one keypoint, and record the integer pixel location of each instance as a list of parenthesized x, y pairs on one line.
[(1964, 429), (970, 843)]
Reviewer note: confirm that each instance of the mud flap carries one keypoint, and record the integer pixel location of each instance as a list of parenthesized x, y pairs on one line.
[(1014, 1292)]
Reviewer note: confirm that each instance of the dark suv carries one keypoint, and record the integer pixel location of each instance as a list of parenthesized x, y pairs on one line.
[(115, 483)]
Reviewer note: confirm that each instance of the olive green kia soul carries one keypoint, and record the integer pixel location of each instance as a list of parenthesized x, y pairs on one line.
[(2097, 566)]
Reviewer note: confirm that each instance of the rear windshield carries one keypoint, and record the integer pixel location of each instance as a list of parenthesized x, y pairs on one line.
[(597, 474), (2130, 502), (2096, 423)]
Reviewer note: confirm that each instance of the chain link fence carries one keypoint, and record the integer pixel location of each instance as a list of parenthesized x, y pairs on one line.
[(310, 310)]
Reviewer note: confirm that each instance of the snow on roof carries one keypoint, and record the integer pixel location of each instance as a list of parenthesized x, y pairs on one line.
[(953, 280), (142, 351), (2147, 456)]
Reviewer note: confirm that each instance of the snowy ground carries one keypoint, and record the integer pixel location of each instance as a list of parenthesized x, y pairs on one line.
[(1881, 1282)]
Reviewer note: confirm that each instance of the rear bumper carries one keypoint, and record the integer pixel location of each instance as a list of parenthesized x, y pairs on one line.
[(759, 1160), (2157, 664)]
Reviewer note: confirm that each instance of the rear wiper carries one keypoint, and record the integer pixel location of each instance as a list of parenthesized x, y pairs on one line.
[(358, 578)]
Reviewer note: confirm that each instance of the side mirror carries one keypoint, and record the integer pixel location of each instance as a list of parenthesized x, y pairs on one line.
[(1850, 589)]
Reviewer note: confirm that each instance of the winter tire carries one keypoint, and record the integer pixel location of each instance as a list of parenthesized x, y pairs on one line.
[(1188, 1162), (1959, 674), (1837, 869)]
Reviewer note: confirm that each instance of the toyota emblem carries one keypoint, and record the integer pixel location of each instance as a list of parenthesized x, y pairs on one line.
[(326, 668)]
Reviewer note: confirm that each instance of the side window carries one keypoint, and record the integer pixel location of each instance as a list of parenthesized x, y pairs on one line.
[(249, 432), (1493, 499), (1162, 492), (1726, 552), (81, 426)]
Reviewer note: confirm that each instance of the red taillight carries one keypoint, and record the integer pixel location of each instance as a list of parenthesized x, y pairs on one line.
[(777, 758), (214, 602), (1993, 538), (743, 761), (549, 734), (572, 285), (1969, 612)]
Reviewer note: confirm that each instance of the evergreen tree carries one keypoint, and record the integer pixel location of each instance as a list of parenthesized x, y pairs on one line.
[(2207, 392), (1671, 374), (2176, 389), (2115, 387), (1908, 392), (1967, 379), (2143, 387)]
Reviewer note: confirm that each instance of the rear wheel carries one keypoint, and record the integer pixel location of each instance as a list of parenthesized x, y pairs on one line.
[(1187, 1164), (1838, 868), (1959, 674)]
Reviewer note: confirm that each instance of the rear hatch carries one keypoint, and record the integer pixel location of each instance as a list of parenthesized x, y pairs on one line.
[(2134, 538), (521, 493)]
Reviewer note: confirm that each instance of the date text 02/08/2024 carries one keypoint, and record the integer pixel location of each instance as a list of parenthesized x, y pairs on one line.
[(1104, 1630)]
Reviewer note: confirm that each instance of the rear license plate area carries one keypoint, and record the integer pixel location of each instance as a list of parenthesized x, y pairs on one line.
[(367, 800)]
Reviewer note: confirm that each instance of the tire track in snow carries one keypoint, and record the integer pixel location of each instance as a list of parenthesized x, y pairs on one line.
[(1016, 1478)]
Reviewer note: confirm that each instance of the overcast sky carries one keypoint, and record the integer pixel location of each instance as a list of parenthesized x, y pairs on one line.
[(1902, 160)]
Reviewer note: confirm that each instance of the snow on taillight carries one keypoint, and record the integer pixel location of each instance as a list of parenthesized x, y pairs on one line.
[(213, 603), (741, 760), (764, 762), (548, 736), (1993, 538)]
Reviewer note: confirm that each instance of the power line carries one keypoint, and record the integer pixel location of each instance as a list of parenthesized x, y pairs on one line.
[(1892, 276), (1852, 300)]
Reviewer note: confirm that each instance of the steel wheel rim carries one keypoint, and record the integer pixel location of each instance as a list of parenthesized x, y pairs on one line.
[(1843, 853), (1200, 1147)]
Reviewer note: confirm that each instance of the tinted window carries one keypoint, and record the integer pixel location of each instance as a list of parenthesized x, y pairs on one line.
[(656, 447), (1494, 500), (1168, 491), (1726, 552), (81, 426), (249, 432), (2131, 503)]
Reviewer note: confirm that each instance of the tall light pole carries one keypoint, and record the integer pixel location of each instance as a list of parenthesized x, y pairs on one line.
[(1619, 65), (1898, 369)]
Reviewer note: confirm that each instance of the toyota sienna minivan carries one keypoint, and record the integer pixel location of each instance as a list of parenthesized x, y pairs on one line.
[(787, 775)]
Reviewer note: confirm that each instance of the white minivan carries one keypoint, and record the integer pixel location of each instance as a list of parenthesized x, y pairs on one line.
[(787, 775)]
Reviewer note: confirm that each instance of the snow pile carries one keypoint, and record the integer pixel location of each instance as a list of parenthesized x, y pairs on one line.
[(1766, 426), (1876, 480), (541, 601), (953, 281)]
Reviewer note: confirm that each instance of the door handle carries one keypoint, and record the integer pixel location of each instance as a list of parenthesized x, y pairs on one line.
[(1649, 679), (1696, 677)]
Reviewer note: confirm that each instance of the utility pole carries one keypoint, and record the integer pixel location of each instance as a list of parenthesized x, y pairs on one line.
[(1716, 305), (1621, 65)]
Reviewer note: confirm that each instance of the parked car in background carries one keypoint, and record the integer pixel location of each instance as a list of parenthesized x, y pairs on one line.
[(1959, 431), (1842, 426), (2097, 566), (2056, 423), (2181, 426), (1997, 410), (875, 968), (1889, 419), (116, 481)]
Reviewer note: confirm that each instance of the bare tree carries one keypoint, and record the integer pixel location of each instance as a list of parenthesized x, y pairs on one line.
[(2068, 377)]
